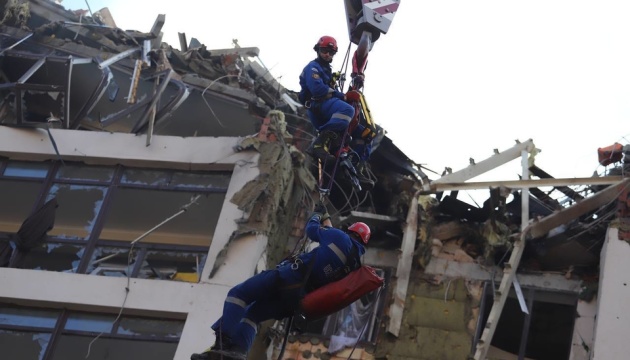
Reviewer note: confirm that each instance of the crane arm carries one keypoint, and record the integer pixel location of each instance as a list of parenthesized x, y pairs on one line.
[(367, 20)]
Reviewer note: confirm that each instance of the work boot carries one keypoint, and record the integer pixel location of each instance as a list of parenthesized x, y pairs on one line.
[(220, 355), (221, 343), (213, 353), (321, 146), (234, 353)]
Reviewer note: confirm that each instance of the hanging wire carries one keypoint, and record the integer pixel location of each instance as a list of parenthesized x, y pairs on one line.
[(204, 98), (182, 210)]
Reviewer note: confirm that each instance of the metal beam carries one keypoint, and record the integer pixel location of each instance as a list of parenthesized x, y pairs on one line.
[(118, 57), (31, 71)]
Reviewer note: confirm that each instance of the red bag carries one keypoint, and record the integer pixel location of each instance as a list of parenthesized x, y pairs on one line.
[(335, 296), (610, 154)]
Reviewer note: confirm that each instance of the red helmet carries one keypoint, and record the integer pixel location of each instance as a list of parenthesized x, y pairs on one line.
[(362, 230), (326, 42)]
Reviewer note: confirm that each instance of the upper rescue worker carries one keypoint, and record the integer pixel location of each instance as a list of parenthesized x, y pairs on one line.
[(327, 108), (276, 294)]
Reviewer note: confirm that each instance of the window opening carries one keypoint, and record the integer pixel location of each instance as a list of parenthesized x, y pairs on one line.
[(18, 199), (27, 169), (547, 333), (90, 173), (25, 333), (134, 211), (78, 207)]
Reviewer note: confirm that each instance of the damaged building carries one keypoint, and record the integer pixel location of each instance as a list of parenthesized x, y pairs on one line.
[(141, 180)]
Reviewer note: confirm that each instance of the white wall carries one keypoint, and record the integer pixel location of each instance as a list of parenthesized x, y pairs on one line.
[(612, 327), (583, 330)]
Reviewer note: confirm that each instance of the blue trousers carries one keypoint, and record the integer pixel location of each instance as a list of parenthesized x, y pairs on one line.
[(271, 294), (333, 114)]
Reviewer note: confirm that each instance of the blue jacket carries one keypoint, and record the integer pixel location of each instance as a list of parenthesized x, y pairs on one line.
[(335, 246), (316, 82)]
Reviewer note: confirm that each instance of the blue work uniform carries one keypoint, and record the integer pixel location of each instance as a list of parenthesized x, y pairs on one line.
[(326, 108), (276, 294)]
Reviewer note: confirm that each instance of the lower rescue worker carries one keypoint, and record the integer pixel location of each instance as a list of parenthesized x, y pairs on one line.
[(276, 294), (328, 109)]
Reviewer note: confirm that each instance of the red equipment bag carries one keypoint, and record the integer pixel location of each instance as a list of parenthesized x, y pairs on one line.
[(609, 154), (337, 295)]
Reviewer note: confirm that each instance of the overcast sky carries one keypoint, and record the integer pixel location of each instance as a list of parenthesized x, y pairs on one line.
[(452, 79)]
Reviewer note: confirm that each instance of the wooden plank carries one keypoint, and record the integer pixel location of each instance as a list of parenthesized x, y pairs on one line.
[(477, 169), (564, 216), (403, 271), (499, 299), (523, 184)]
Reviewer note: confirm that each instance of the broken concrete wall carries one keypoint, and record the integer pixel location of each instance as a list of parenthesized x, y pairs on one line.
[(278, 194)]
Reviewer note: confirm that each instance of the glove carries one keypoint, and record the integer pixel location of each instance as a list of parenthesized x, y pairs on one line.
[(316, 215), (320, 208), (352, 96), (357, 81)]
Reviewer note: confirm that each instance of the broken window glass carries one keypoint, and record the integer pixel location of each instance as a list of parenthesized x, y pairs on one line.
[(37, 170), (133, 212), (72, 346), (205, 180), (152, 327), (146, 177), (25, 332), (111, 261), (54, 256), (177, 179), (82, 172), (23, 345), (18, 201), (78, 207), (90, 322), (29, 317), (173, 265)]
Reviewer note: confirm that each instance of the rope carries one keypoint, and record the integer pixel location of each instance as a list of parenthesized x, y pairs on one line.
[(130, 258)]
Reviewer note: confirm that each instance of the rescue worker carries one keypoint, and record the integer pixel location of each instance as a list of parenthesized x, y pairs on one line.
[(328, 108), (276, 294)]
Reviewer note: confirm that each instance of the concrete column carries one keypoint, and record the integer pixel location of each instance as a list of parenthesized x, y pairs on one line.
[(613, 308)]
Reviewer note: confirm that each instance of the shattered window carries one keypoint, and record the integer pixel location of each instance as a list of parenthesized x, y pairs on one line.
[(25, 332), (81, 172), (175, 210), (145, 177), (152, 327), (24, 345), (18, 201), (71, 346), (112, 261), (27, 169), (173, 265), (30, 317), (54, 256), (135, 211), (177, 179), (90, 322), (78, 207), (127, 338), (207, 180)]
